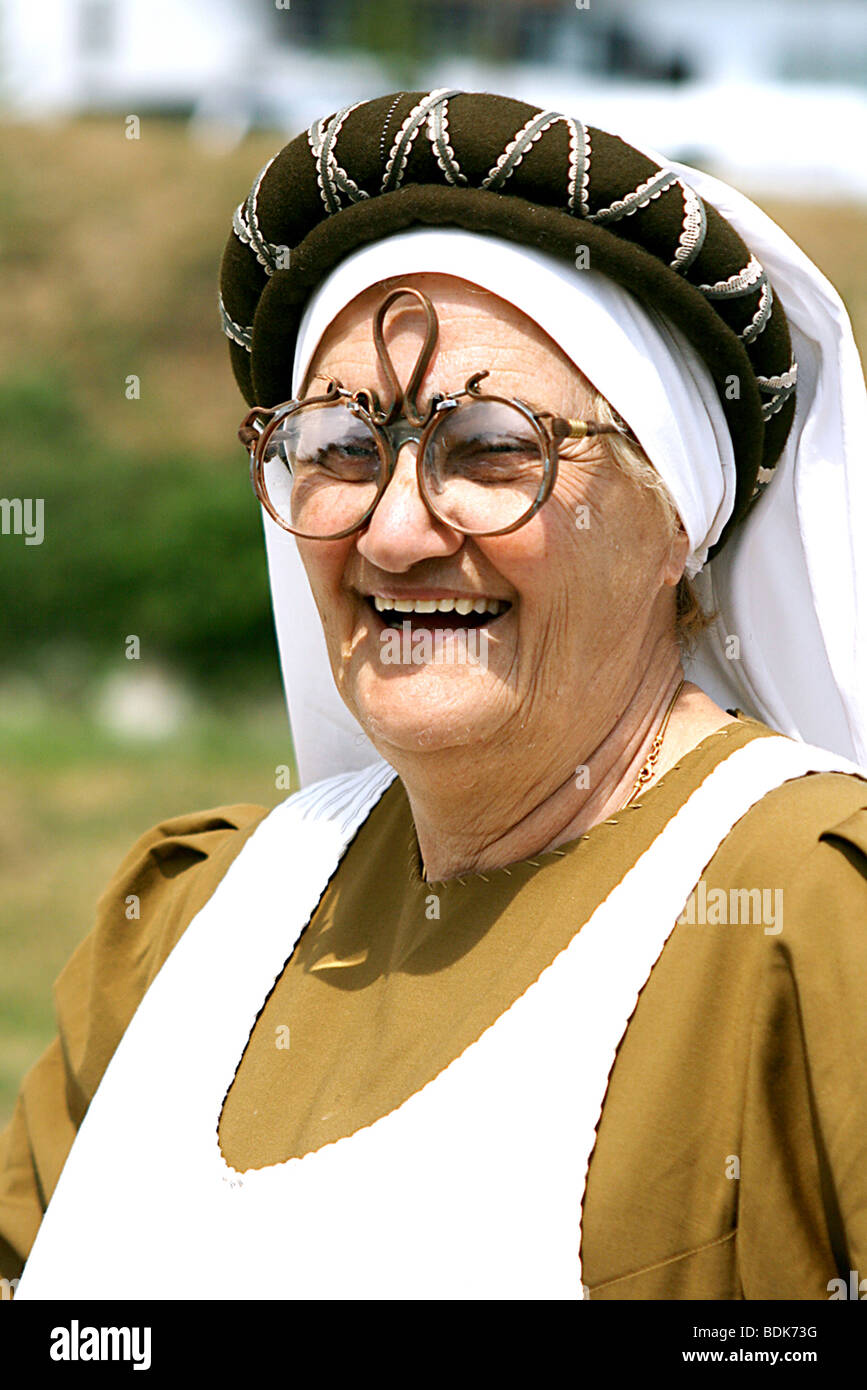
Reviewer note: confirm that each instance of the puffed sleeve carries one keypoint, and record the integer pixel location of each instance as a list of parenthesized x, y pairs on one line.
[(802, 1221), (166, 878)]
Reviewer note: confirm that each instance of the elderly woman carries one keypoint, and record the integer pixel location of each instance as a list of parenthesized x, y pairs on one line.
[(550, 981)]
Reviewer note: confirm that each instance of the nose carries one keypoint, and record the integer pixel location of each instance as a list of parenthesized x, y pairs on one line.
[(402, 531)]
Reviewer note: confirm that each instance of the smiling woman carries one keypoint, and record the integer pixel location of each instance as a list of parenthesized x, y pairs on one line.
[(610, 568), (440, 1025)]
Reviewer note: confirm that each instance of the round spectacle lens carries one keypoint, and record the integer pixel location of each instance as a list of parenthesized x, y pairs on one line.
[(485, 466), (321, 469)]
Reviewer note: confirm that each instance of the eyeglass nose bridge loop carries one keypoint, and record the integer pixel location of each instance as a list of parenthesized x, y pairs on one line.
[(403, 401)]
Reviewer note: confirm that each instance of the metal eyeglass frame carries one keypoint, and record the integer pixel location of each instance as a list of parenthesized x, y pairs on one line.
[(402, 422)]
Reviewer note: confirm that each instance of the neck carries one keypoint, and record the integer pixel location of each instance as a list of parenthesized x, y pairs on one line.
[(478, 809)]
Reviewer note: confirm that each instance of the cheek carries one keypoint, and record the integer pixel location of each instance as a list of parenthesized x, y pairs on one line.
[(325, 564), (555, 553), (580, 560)]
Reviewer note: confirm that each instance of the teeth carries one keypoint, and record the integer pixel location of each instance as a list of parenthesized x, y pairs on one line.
[(442, 605)]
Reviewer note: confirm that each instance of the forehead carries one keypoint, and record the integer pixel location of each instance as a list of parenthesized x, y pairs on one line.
[(477, 330)]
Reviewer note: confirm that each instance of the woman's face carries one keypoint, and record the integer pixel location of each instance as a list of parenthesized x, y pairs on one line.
[(588, 580)]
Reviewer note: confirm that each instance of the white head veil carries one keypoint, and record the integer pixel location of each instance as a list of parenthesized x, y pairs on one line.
[(790, 643)]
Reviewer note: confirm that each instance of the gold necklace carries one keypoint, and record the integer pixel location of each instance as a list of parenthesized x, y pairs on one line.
[(646, 772)]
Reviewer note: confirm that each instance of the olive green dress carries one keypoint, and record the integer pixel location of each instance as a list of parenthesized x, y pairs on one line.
[(731, 1157)]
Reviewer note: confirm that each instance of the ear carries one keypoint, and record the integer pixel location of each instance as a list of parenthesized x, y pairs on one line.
[(678, 552)]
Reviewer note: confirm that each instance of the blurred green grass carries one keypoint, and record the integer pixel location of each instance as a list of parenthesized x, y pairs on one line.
[(164, 543), (109, 257)]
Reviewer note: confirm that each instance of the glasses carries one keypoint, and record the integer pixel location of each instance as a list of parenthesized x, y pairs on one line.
[(485, 464)]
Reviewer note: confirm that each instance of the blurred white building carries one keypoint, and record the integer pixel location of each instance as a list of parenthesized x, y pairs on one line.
[(61, 56), (775, 91)]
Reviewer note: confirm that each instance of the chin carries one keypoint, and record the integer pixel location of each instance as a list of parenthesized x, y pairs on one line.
[(423, 709)]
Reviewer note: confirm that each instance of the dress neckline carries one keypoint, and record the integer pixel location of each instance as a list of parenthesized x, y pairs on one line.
[(536, 859)]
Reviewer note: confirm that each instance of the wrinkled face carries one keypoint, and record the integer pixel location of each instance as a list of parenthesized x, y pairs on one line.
[(582, 592)]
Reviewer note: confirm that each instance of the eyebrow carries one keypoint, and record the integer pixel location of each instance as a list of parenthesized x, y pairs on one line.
[(427, 395)]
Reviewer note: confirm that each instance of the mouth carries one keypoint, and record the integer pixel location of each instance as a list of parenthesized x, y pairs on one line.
[(451, 613)]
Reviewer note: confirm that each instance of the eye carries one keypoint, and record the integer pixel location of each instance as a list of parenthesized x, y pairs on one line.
[(348, 462), (491, 459)]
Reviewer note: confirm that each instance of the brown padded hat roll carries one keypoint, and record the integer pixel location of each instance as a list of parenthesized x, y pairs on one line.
[(498, 166)]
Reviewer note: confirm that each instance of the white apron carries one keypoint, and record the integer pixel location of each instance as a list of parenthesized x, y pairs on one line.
[(471, 1189)]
